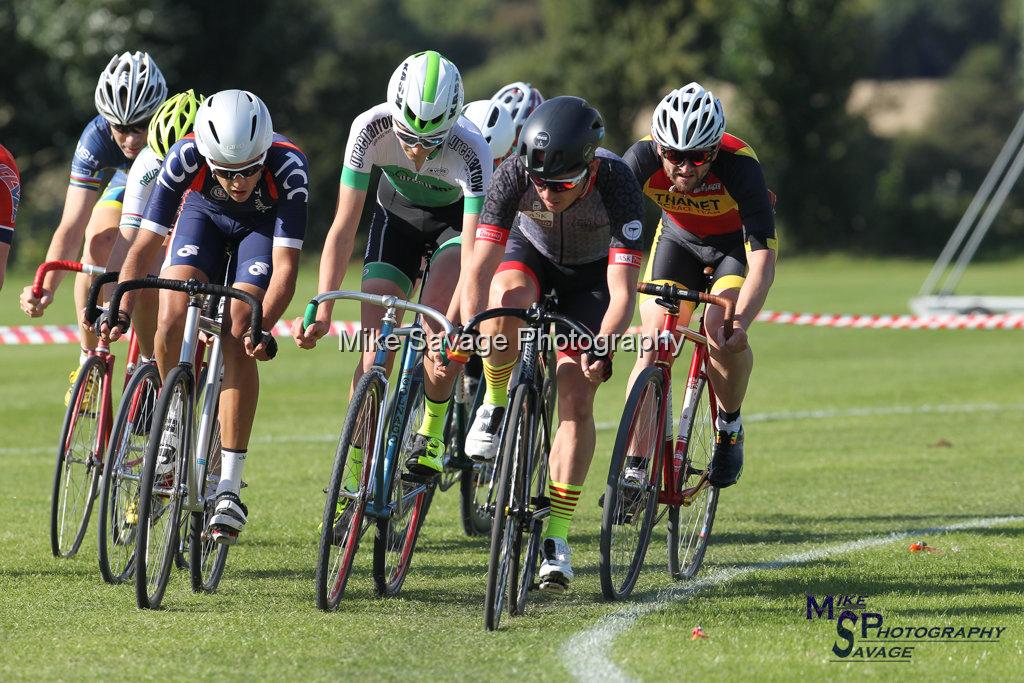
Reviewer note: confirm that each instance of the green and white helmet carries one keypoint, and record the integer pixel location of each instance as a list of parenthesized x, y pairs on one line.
[(425, 94)]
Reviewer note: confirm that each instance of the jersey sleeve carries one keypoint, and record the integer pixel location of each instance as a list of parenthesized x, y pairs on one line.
[(624, 203), (642, 159), (138, 188), (181, 166), (291, 174), (501, 202), (479, 169), (749, 189), (366, 132), (86, 164)]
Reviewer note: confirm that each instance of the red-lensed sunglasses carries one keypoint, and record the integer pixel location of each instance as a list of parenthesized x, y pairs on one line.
[(694, 157), (560, 185)]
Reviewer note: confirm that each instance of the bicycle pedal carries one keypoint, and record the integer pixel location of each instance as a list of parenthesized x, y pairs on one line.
[(540, 502), (223, 535), (417, 479)]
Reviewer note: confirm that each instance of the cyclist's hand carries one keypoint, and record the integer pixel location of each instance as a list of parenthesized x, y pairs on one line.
[(736, 343), (32, 306), (264, 350), (596, 369), (307, 339), (111, 331)]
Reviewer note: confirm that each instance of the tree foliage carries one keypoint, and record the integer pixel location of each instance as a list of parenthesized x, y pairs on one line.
[(790, 64)]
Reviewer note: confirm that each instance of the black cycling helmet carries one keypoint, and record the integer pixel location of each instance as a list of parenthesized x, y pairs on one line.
[(560, 137)]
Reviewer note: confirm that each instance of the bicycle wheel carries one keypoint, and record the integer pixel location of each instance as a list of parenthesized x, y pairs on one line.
[(689, 528), (79, 460), (163, 488), (526, 561), (476, 486), (342, 526), (631, 496), (206, 557), (396, 535), (119, 495), (506, 529)]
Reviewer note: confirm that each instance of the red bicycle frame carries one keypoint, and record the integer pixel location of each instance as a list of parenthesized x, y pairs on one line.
[(672, 492)]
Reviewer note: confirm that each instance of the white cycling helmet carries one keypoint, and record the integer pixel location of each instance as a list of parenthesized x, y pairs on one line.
[(520, 99), (425, 94), (495, 123), (130, 89), (233, 126), (688, 118)]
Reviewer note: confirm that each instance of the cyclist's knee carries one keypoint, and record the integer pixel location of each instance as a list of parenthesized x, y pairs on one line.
[(511, 293)]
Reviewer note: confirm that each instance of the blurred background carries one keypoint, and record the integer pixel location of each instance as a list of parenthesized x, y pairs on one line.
[(875, 121)]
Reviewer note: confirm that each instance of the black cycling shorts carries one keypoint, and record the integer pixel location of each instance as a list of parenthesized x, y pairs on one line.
[(679, 258), (581, 290)]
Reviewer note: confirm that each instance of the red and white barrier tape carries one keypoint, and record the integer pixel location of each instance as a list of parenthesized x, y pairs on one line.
[(68, 334)]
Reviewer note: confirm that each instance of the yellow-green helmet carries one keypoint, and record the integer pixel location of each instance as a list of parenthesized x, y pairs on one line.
[(172, 121)]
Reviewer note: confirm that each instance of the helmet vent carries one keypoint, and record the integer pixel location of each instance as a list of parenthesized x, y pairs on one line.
[(252, 129), (213, 131)]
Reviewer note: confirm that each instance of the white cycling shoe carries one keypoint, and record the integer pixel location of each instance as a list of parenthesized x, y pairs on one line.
[(228, 519), (482, 438), (556, 571)]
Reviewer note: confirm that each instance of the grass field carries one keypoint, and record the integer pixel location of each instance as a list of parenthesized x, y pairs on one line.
[(852, 435)]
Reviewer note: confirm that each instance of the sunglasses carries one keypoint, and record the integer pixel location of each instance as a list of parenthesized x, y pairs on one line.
[(694, 157), (560, 185), (136, 128), (232, 173), (425, 141)]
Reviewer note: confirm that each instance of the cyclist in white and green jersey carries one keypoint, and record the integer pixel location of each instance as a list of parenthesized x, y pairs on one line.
[(436, 168)]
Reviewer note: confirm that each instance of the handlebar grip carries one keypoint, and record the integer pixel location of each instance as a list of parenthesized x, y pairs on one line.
[(73, 266), (310, 316), (92, 309)]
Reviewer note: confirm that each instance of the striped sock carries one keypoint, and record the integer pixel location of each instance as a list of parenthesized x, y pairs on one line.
[(497, 382), (353, 468), (433, 418), (563, 504)]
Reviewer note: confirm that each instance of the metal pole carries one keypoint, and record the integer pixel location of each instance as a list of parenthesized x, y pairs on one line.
[(967, 221), (985, 223)]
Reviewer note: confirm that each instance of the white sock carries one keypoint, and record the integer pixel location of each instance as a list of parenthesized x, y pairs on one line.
[(231, 465), (721, 424), (83, 354)]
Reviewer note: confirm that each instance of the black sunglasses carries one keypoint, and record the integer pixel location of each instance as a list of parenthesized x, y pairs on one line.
[(136, 128), (694, 157)]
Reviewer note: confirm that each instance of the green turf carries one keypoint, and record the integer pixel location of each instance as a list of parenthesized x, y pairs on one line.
[(808, 484)]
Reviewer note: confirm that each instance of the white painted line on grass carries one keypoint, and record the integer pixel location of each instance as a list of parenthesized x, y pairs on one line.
[(587, 653)]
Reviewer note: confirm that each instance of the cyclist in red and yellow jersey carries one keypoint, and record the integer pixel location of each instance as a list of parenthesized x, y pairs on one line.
[(717, 212)]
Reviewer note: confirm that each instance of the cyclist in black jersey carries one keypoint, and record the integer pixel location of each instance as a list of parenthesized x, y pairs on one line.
[(560, 214)]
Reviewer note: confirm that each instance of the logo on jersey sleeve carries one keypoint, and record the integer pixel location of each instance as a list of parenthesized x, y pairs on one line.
[(188, 250), (259, 268), (632, 230)]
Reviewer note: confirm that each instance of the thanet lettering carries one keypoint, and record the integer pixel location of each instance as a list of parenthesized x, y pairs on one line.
[(681, 201)]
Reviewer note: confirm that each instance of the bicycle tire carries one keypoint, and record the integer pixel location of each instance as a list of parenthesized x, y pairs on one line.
[(172, 427), (527, 565), (206, 557), (506, 532), (395, 538), (332, 578), (79, 460), (694, 534), (119, 494), (631, 506), (475, 484)]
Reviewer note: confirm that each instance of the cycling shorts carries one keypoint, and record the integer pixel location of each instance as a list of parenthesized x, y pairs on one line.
[(679, 258), (581, 290), (202, 238), (113, 194), (396, 245)]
